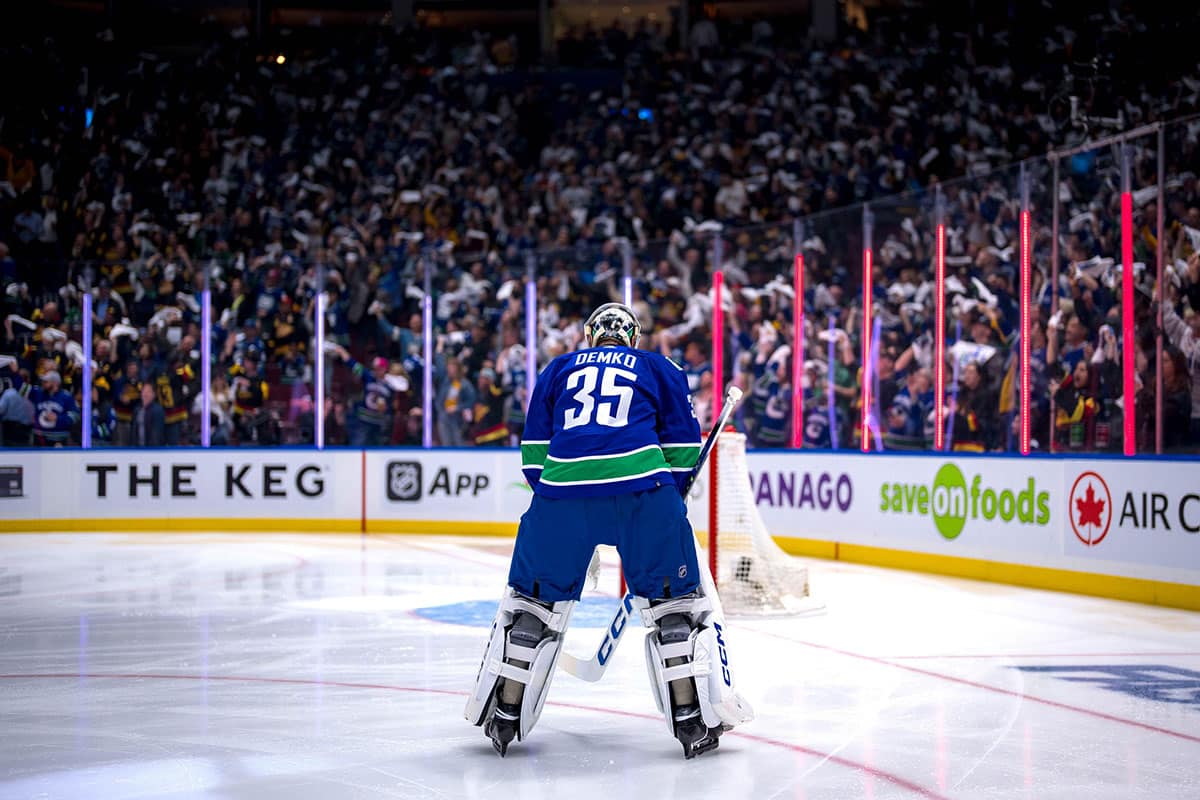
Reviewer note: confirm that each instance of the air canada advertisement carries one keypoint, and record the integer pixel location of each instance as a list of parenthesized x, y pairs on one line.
[(1126, 512)]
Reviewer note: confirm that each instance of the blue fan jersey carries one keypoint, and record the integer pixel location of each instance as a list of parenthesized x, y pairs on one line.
[(609, 421)]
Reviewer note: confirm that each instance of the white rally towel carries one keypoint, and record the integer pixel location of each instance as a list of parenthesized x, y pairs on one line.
[(965, 352)]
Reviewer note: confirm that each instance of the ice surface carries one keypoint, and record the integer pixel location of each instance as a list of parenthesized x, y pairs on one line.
[(297, 666)]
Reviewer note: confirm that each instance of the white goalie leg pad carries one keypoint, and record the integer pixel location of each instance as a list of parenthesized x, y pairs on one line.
[(656, 666), (718, 697), (501, 653), (705, 657)]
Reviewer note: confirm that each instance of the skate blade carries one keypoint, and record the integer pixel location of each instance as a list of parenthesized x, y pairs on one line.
[(697, 739), (501, 735), (694, 749)]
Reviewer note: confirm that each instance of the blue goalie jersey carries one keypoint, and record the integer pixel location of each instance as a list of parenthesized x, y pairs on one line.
[(609, 421)]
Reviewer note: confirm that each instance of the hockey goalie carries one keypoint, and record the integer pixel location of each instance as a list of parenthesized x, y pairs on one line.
[(609, 443)]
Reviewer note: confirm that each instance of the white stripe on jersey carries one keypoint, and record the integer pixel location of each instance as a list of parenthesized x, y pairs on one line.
[(602, 457), (605, 480)]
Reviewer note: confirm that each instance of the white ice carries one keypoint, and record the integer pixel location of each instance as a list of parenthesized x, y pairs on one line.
[(297, 666)]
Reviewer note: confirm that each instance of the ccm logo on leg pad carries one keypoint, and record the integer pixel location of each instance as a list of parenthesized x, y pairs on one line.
[(724, 656)]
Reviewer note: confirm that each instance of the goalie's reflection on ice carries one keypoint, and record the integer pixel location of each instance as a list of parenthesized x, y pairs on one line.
[(305, 666)]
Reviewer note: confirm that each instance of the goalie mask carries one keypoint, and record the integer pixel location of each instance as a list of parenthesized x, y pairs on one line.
[(613, 323)]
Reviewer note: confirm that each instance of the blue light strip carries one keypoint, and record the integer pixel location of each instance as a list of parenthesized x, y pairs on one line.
[(427, 373), (205, 368), (85, 428), (531, 343), (319, 372)]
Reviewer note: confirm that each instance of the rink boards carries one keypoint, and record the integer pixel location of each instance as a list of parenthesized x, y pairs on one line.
[(1128, 529)]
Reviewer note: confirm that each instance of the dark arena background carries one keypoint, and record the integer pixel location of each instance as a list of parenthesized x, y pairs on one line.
[(277, 281)]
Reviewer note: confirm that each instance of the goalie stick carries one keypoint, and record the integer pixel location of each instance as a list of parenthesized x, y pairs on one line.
[(592, 670)]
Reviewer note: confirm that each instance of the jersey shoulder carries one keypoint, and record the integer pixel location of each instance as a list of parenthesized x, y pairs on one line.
[(659, 360), (673, 363), (665, 367), (557, 364)]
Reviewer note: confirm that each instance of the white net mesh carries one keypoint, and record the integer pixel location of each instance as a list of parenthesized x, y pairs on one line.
[(754, 576)]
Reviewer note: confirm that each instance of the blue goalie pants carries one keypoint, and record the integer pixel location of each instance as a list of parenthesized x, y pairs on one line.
[(649, 529)]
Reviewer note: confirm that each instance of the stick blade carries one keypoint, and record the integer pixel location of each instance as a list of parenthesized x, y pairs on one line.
[(587, 670)]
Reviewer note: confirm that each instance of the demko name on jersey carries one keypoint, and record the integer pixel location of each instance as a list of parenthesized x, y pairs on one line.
[(606, 421), (606, 356)]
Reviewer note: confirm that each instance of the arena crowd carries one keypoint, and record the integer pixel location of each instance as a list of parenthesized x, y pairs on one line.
[(367, 164)]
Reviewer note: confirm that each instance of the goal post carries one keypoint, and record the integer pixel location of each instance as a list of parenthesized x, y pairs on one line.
[(753, 574), (714, 458)]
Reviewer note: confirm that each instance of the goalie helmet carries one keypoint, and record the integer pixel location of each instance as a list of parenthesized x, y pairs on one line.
[(613, 323)]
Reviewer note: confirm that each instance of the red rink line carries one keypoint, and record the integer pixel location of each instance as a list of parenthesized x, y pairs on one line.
[(845, 762), (985, 687), (1143, 654)]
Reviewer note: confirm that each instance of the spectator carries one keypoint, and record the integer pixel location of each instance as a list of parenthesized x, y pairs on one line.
[(773, 402), (372, 420), (220, 410), (453, 404), (1107, 385), (413, 433), (240, 345), (820, 425), (1076, 408), (845, 385), (288, 332), (1185, 336), (908, 412), (973, 411), (1074, 347), (127, 392), (16, 412), (8, 267), (149, 420), (105, 299), (702, 400), (251, 419), (489, 427), (696, 362), (293, 366), (306, 425), (1177, 400), (408, 340), (703, 38), (173, 385), (1039, 383), (52, 356), (335, 421), (54, 411)]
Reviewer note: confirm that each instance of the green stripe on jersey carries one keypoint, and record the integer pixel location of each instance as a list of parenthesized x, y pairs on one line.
[(605, 469), (681, 455), (534, 454)]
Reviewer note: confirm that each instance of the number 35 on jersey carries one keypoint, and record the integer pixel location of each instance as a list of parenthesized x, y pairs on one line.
[(608, 420)]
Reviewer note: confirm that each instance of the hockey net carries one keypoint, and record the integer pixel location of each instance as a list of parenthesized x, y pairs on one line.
[(754, 575)]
